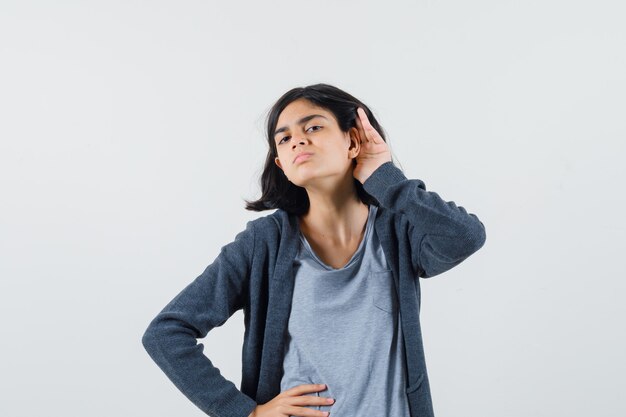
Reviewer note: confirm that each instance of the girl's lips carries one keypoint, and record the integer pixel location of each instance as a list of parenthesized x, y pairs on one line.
[(302, 157)]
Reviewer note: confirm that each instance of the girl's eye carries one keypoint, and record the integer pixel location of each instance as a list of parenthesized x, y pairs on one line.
[(281, 141)]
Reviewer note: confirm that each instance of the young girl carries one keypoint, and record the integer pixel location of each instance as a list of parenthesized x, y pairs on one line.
[(328, 282)]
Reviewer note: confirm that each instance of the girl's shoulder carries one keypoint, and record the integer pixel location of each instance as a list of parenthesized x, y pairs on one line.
[(270, 225), (270, 221)]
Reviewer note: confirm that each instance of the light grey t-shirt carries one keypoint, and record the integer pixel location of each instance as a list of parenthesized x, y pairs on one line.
[(344, 331)]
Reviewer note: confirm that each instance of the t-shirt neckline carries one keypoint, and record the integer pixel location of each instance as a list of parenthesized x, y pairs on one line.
[(355, 256)]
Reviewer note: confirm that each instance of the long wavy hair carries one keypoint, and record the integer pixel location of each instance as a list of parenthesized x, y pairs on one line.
[(277, 190)]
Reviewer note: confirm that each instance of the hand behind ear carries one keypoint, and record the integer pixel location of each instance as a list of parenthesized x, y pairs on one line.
[(373, 151)]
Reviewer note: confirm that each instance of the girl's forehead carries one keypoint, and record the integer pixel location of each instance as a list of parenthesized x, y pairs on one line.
[(299, 106), (295, 111)]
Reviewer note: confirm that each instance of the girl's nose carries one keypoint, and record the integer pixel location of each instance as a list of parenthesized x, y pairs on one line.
[(302, 141)]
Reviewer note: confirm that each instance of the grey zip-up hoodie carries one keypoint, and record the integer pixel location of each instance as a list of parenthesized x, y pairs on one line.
[(422, 235)]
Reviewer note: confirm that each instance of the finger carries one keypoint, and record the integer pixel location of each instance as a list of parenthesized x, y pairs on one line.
[(308, 400), (366, 126), (370, 132), (304, 388), (304, 412), (360, 126)]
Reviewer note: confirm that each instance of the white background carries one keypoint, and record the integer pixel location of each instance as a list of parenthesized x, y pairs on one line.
[(131, 132)]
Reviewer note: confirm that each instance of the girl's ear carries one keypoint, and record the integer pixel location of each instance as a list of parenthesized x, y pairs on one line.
[(277, 162), (355, 141)]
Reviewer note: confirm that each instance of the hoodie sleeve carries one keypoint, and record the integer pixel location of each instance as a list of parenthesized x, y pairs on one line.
[(441, 234), (205, 303)]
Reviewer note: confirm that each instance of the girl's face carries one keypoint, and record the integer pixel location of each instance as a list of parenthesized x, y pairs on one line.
[(302, 127)]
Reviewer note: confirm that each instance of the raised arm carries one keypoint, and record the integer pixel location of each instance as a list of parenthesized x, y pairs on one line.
[(205, 303), (441, 233)]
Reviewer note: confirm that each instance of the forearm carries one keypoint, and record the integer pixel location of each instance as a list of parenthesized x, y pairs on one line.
[(441, 233)]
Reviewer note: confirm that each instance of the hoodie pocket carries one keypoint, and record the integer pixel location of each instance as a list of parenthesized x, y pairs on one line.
[(420, 401)]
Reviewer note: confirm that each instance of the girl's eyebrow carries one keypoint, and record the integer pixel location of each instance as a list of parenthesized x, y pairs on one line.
[(300, 122)]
